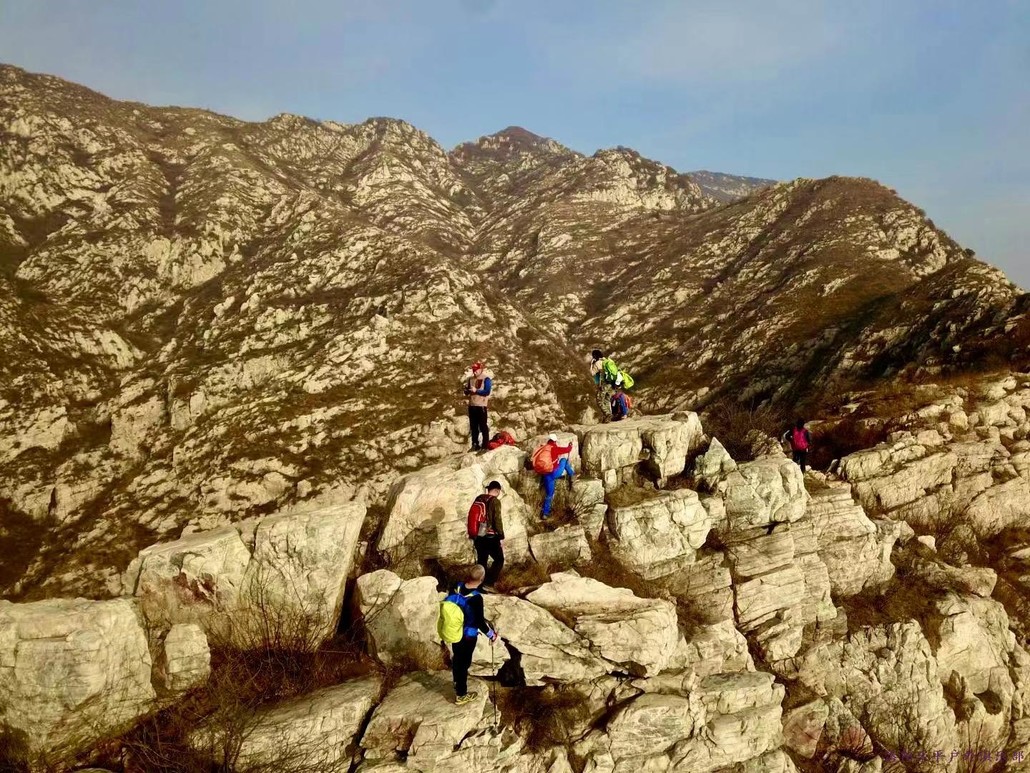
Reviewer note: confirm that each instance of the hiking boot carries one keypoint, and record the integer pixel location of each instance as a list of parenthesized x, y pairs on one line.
[(461, 700), (569, 481)]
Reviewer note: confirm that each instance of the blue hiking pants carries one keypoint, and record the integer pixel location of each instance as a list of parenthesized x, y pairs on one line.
[(563, 468)]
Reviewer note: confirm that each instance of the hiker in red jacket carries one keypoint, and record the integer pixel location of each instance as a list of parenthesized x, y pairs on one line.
[(550, 462), (800, 440), (486, 530)]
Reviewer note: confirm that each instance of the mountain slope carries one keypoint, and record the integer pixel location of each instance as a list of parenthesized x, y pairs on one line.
[(209, 319), (728, 187)]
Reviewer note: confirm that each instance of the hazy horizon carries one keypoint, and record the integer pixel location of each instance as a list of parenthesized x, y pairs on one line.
[(930, 98)]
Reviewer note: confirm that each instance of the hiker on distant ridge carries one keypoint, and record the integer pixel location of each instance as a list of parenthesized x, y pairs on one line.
[(486, 530), (608, 377), (477, 389), (800, 441), (550, 461), (468, 598), (604, 385)]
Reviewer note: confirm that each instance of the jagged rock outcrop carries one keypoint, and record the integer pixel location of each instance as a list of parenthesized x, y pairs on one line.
[(313, 732), (636, 635), (419, 723), (235, 580), (660, 535)]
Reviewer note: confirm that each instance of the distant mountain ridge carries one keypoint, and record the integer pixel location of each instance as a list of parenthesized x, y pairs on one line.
[(207, 319), (728, 187)]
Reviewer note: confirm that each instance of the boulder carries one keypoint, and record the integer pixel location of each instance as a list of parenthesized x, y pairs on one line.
[(803, 727), (419, 722), (713, 466), (549, 650), (189, 579), (705, 586), (183, 661), (768, 490), (400, 618), (855, 553), (563, 546), (758, 600), (713, 649), (427, 515), (301, 563), (612, 452), (974, 580), (71, 672), (313, 732), (660, 535), (278, 574), (652, 724), (634, 634)]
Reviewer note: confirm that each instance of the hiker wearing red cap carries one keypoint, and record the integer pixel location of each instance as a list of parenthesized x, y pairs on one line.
[(477, 389)]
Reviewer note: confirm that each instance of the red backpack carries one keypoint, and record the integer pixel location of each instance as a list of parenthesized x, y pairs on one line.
[(502, 438), (799, 439), (477, 523)]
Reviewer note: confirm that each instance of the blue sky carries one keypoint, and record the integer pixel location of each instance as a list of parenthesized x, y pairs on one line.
[(932, 97)]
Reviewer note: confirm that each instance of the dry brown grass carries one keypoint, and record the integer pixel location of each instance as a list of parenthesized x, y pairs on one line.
[(544, 716), (735, 426)]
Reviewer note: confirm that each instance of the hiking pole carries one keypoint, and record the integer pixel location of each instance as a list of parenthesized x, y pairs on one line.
[(493, 684)]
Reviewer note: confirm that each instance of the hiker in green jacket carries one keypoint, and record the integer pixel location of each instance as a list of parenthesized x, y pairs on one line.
[(606, 376)]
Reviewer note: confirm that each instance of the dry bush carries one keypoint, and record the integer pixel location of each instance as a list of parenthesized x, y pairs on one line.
[(627, 495), (544, 716), (735, 425), (837, 440)]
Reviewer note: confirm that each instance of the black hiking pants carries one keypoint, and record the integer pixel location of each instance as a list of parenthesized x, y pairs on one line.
[(461, 662), (487, 548), (477, 426), (801, 459)]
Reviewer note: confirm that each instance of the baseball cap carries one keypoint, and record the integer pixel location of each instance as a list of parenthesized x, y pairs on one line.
[(553, 437)]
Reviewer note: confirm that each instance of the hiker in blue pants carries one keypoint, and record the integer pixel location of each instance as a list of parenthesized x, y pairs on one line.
[(551, 462)]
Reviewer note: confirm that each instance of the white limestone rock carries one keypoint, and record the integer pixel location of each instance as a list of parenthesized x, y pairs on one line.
[(634, 634), (71, 671), (184, 660), (856, 554), (713, 466), (563, 546), (764, 491), (551, 651), (312, 732), (238, 581), (427, 517), (400, 618), (660, 535), (418, 720)]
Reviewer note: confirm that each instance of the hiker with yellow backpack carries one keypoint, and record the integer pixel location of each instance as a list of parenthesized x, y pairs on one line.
[(608, 377), (550, 461), (461, 619)]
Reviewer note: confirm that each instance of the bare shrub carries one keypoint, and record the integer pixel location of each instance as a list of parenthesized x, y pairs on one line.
[(735, 424), (545, 716)]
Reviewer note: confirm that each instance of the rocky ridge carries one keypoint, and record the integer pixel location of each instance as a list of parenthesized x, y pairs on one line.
[(209, 320), (772, 622)]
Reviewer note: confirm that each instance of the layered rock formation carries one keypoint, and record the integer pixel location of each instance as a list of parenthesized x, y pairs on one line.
[(846, 641)]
